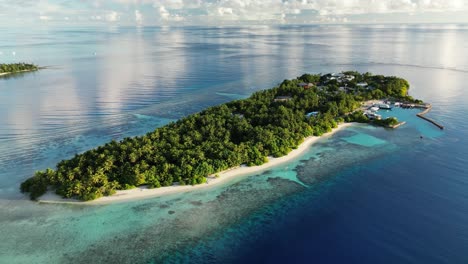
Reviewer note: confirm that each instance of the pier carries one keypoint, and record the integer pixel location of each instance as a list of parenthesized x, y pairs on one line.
[(427, 108), (397, 125)]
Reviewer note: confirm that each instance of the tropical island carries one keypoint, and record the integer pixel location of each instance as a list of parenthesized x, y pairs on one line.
[(270, 123), (12, 68)]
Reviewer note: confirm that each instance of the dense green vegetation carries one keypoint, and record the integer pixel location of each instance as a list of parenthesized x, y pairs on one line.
[(17, 67), (221, 137), (388, 122)]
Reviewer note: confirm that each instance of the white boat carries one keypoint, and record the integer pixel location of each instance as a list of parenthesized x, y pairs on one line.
[(372, 115), (384, 106), (374, 109)]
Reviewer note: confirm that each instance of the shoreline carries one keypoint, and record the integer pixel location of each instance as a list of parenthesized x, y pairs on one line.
[(23, 71), (143, 192)]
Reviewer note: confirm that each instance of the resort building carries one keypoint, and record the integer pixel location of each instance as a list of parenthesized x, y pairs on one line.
[(341, 77), (343, 89), (282, 98), (362, 84), (306, 85)]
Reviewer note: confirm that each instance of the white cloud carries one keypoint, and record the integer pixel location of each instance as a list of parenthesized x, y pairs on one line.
[(163, 13), (295, 11), (45, 18), (138, 17), (112, 16), (181, 4), (224, 11), (49, 7), (280, 9), (339, 7), (166, 16), (214, 11)]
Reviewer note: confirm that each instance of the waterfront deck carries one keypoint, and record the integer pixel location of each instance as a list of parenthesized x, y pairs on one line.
[(397, 125)]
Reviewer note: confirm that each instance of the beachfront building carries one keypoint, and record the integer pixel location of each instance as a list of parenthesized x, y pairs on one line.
[(341, 77), (349, 77), (338, 75), (362, 85), (306, 85)]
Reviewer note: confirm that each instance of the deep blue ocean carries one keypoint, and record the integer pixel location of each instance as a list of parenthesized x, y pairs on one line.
[(363, 195)]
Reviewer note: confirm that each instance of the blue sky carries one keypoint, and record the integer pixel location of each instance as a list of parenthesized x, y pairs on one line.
[(226, 12)]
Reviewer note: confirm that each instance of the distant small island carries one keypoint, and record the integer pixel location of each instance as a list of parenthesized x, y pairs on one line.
[(270, 123), (12, 68)]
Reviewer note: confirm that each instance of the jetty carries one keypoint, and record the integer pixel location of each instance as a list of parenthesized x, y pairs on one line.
[(397, 125), (427, 108)]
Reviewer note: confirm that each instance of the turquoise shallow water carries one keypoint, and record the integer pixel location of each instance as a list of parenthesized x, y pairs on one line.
[(365, 195), (364, 140), (186, 227)]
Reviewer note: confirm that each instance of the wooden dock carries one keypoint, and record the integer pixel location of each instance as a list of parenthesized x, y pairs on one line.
[(427, 108)]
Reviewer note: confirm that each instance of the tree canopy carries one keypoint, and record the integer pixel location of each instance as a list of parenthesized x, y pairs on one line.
[(17, 67), (221, 137)]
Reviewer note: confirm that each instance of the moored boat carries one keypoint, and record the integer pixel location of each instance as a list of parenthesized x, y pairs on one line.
[(384, 106)]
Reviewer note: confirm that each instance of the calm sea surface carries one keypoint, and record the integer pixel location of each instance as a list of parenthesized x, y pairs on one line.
[(364, 195)]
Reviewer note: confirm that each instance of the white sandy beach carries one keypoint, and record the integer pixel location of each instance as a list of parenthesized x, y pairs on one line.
[(144, 192), (6, 73)]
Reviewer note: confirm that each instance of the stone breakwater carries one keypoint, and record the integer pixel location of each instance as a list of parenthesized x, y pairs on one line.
[(427, 108)]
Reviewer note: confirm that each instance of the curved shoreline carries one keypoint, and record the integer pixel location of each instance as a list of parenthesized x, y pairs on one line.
[(143, 192), (23, 71)]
